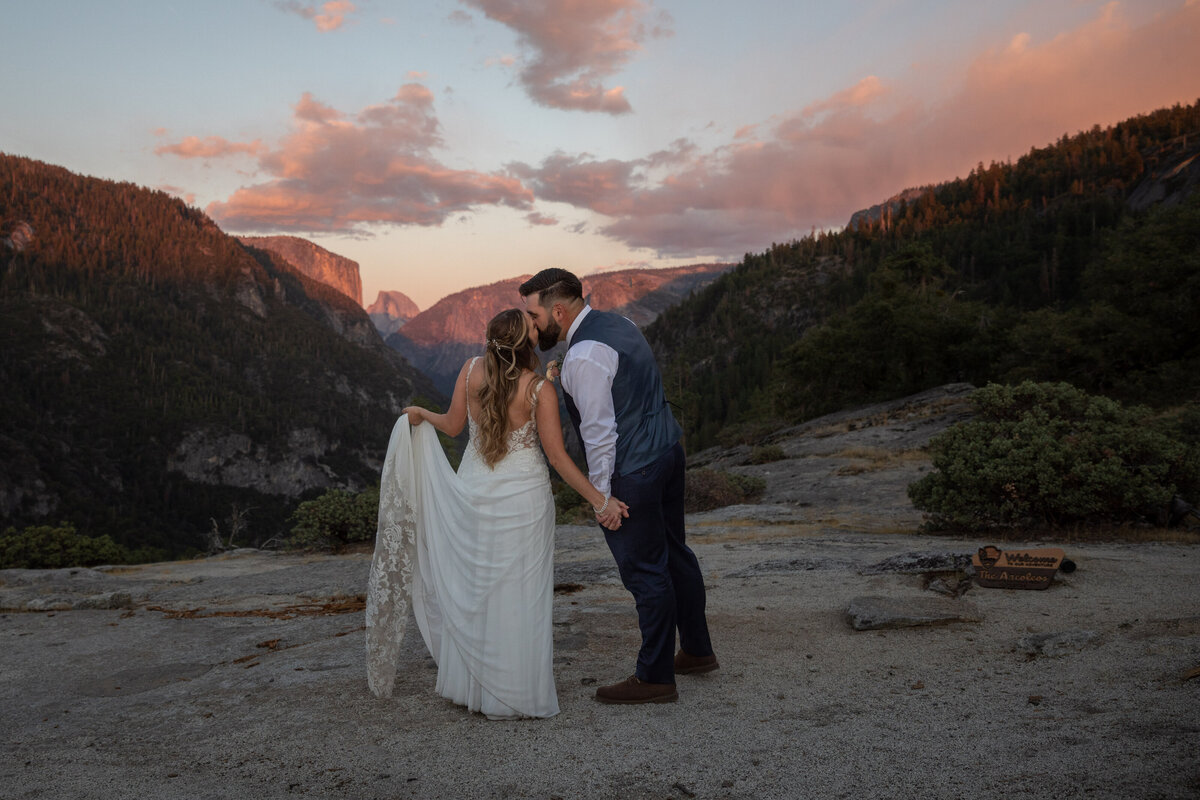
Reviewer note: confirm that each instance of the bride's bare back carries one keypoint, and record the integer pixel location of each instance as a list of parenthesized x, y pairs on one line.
[(520, 409)]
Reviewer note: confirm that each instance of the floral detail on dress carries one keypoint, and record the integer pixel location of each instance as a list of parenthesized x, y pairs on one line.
[(523, 443), (389, 587)]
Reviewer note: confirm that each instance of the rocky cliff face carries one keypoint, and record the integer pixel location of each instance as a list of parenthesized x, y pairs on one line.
[(439, 339), (390, 312), (643, 294), (460, 318), (316, 262), (1172, 174), (882, 212)]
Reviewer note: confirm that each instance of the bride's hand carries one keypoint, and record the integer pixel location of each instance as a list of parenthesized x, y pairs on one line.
[(415, 417), (612, 516)]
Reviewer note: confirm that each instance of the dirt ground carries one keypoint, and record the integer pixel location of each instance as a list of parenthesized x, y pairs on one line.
[(243, 676)]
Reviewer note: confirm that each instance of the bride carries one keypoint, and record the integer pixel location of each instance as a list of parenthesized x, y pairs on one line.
[(473, 552)]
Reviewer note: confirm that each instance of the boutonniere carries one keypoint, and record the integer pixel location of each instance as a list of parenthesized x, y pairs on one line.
[(554, 369)]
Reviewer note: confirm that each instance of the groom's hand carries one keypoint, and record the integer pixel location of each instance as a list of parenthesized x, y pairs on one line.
[(612, 516)]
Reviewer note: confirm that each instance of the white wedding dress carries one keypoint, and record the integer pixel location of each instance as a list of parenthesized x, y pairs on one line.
[(472, 554)]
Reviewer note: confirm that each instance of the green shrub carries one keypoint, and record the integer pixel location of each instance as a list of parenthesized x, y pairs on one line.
[(765, 454), (1049, 453), (46, 547), (1182, 424), (335, 520), (748, 432), (709, 488)]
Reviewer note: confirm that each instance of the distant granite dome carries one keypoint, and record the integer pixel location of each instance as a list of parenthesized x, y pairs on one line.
[(390, 311), (314, 261), (395, 304)]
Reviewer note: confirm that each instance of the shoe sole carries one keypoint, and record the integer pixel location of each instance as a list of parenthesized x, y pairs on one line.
[(666, 698)]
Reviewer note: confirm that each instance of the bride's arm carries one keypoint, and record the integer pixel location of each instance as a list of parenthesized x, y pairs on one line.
[(451, 423), (549, 426)]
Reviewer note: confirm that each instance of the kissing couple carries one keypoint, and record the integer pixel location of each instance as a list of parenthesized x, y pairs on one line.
[(472, 552)]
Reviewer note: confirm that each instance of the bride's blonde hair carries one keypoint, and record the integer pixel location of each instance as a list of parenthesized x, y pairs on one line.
[(509, 352)]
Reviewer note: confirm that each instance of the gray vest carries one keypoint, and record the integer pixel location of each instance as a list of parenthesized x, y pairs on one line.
[(646, 429)]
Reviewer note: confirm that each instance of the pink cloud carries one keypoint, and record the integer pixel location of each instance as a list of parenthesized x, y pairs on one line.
[(343, 172), (209, 147), (537, 218), (603, 186), (816, 166), (863, 93), (329, 17), (572, 47), (185, 196)]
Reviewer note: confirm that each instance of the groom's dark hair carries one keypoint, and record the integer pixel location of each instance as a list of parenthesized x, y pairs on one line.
[(553, 285)]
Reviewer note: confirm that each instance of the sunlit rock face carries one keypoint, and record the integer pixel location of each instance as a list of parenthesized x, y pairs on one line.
[(390, 312), (314, 261)]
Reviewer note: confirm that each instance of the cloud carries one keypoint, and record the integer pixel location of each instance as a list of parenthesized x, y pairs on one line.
[(537, 218), (863, 93), (814, 167), (329, 17), (345, 172), (603, 186), (208, 147), (571, 47), (185, 196)]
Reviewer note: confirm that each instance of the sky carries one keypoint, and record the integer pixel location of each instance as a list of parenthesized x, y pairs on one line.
[(444, 144)]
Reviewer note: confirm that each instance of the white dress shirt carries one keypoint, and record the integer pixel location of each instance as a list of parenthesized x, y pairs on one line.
[(587, 375)]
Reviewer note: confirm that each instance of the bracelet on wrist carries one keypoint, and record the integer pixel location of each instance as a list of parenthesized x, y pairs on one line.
[(602, 508)]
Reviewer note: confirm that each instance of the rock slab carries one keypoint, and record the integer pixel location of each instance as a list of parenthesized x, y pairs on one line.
[(871, 613)]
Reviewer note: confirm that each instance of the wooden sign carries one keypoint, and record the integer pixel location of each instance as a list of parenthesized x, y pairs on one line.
[(1016, 569)]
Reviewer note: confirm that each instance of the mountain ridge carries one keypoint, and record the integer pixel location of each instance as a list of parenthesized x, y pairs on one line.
[(439, 339)]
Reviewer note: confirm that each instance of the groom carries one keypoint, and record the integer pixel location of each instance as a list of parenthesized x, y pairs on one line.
[(615, 398)]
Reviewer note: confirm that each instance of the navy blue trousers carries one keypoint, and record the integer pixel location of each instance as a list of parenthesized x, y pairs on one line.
[(658, 568)]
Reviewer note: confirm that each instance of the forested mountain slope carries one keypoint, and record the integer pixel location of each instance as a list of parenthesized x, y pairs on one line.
[(159, 374), (1080, 262)]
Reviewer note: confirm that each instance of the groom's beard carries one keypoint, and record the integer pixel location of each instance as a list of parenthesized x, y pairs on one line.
[(548, 336)]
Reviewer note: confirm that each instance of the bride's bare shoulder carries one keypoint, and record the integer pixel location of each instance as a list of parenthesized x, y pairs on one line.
[(470, 366)]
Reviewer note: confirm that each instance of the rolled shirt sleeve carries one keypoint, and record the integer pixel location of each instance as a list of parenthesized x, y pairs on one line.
[(587, 374)]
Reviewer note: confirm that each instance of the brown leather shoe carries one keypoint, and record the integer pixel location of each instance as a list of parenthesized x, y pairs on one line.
[(634, 690), (690, 665)]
